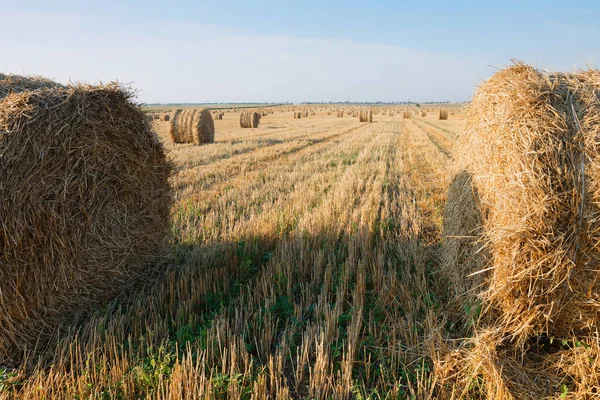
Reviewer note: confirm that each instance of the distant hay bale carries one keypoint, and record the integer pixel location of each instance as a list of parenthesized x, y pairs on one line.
[(192, 125), (219, 115), (166, 117), (443, 114), (297, 115), (156, 116), (305, 114), (313, 113), (423, 114), (85, 207), (391, 113), (328, 112), (355, 114), (407, 114), (249, 119), (340, 114), (366, 116)]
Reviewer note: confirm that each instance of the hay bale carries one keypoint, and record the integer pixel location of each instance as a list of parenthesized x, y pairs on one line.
[(166, 117), (297, 115), (407, 114), (340, 114), (156, 116), (249, 119), (443, 115), (391, 113), (305, 114), (192, 125), (530, 170), (366, 116), (17, 84), (531, 146), (85, 207), (423, 114)]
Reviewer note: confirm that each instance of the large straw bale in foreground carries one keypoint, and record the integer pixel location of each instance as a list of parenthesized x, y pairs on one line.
[(531, 144), (530, 170), (84, 211), (192, 126)]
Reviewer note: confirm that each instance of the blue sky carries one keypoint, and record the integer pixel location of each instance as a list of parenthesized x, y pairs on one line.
[(197, 51)]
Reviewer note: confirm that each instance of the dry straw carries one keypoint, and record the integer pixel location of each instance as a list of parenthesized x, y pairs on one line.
[(443, 114), (530, 172), (17, 84), (366, 116), (249, 119), (192, 126), (85, 207)]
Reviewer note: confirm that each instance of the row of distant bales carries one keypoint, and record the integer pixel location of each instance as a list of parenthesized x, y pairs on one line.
[(197, 125)]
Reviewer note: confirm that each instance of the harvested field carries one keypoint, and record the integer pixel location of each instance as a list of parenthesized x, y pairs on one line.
[(325, 257), (304, 250)]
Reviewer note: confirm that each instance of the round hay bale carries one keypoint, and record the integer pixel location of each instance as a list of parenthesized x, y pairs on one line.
[(365, 116), (17, 84), (249, 119), (531, 146), (85, 208), (192, 125), (443, 115), (166, 117), (423, 114), (407, 114)]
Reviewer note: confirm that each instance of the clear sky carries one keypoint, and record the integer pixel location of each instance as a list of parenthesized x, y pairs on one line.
[(274, 51)]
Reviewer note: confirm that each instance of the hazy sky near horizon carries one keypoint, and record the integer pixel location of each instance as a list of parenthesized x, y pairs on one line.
[(275, 51)]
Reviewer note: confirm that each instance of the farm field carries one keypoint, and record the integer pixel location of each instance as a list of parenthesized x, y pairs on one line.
[(305, 260)]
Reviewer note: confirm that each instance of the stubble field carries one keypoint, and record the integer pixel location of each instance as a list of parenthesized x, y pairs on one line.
[(305, 260)]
